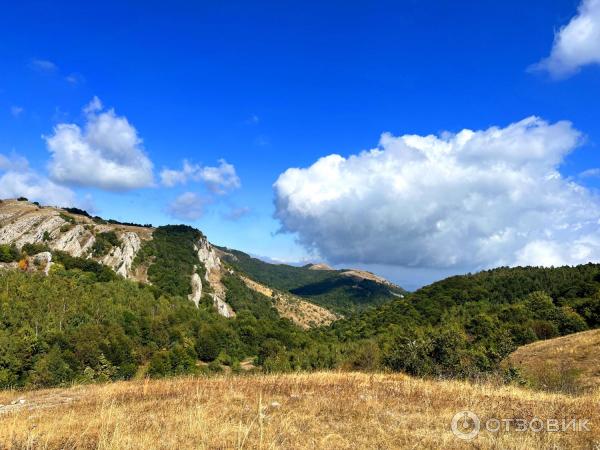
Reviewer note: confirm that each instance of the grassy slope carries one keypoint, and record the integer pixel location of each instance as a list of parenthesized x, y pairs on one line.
[(326, 288), (564, 363), (300, 411)]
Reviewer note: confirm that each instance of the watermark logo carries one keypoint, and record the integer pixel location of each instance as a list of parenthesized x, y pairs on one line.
[(465, 425)]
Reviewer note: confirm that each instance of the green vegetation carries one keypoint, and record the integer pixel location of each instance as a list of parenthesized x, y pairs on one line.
[(33, 249), (77, 211), (465, 325), (84, 323), (99, 271), (104, 243), (68, 218), (9, 253), (327, 288), (73, 327), (171, 258)]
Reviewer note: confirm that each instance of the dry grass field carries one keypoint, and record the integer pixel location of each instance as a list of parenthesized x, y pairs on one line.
[(569, 363), (297, 411)]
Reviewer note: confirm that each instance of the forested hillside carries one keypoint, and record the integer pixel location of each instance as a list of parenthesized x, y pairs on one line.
[(466, 325), (77, 324), (344, 292), (115, 301), (69, 326)]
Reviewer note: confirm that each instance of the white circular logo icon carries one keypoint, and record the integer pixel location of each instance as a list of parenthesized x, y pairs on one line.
[(465, 425)]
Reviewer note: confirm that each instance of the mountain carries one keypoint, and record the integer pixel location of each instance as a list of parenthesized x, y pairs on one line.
[(85, 299), (342, 291), (169, 257), (181, 261)]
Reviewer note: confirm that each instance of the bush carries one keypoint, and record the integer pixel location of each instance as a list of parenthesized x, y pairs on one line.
[(67, 218), (104, 243), (34, 248), (9, 253), (81, 212)]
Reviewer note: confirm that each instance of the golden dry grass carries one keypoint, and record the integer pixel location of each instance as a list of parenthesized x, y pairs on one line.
[(298, 411), (572, 360), (303, 313)]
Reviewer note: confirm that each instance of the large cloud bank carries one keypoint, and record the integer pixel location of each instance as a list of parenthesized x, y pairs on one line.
[(469, 200), (577, 44)]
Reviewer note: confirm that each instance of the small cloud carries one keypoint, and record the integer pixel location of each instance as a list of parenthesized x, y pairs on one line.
[(170, 177), (189, 207), (16, 111), (220, 179), (576, 44), (590, 173), (236, 214), (253, 119), (43, 65), (93, 106), (17, 179), (74, 79)]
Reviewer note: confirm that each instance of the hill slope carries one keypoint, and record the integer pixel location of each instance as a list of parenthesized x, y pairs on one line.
[(300, 411), (180, 260), (343, 291), (567, 363)]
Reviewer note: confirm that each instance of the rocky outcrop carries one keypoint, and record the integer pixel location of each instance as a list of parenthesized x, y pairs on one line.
[(43, 261), (222, 307), (208, 256), (25, 223), (196, 294), (76, 241), (120, 258)]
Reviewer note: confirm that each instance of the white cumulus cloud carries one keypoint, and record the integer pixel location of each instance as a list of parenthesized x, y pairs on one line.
[(17, 179), (468, 200), (219, 180), (107, 153), (577, 44)]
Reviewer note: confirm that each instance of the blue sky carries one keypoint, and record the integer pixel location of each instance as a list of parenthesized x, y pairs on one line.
[(269, 86)]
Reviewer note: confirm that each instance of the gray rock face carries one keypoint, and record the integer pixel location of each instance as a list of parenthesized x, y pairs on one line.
[(223, 307), (196, 294), (76, 241), (21, 224), (214, 271), (43, 260), (121, 258)]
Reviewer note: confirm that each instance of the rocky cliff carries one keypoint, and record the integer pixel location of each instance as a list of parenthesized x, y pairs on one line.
[(22, 223)]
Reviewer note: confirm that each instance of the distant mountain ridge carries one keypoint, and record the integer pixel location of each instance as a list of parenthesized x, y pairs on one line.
[(343, 291)]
